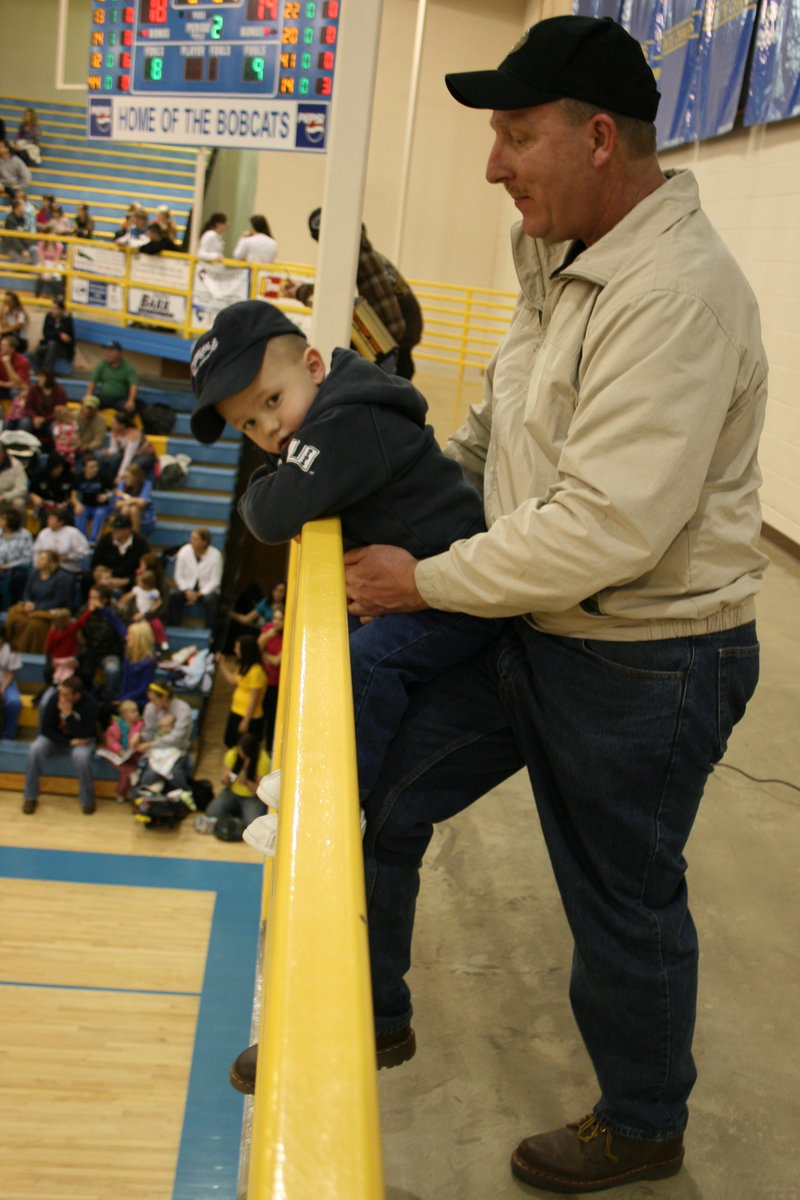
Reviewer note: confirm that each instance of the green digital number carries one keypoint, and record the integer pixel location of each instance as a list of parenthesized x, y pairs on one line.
[(216, 27), (305, 62), (258, 68), (311, 10)]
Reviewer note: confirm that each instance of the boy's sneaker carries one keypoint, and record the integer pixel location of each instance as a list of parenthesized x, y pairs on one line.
[(269, 790), (262, 833), (204, 824)]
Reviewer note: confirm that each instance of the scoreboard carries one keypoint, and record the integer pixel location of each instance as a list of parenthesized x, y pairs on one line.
[(255, 73)]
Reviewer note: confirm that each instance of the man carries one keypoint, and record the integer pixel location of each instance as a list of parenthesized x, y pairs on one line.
[(616, 450), (197, 576), (92, 428), (69, 724), (18, 249), (15, 370), (385, 289), (13, 172), (115, 380), (121, 551)]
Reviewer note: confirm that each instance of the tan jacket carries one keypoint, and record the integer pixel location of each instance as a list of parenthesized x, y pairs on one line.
[(616, 445)]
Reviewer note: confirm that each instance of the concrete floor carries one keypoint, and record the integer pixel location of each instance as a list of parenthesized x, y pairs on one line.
[(499, 1057)]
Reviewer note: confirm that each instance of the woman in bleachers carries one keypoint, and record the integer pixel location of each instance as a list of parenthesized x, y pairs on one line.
[(165, 219), (68, 542), (139, 664), (10, 699), (47, 587), (27, 142), (211, 246), (45, 214), (41, 403), (56, 348), (16, 555), (127, 446), (133, 499), (83, 226), (103, 636), (13, 481), (14, 319), (250, 684)]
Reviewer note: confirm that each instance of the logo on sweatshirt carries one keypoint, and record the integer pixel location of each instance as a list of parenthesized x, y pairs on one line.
[(302, 456)]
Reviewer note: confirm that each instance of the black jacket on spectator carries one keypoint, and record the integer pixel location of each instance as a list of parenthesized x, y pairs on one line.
[(54, 488), (52, 327), (57, 591), (123, 566), (82, 723)]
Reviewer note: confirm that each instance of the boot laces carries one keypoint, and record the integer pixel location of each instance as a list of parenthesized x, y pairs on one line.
[(590, 1128)]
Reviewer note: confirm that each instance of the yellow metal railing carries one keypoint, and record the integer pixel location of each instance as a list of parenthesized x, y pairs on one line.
[(463, 325), (315, 1132)]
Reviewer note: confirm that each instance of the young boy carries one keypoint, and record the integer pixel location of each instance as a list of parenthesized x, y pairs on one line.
[(353, 444)]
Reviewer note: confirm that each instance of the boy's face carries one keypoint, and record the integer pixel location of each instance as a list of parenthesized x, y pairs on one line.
[(272, 408)]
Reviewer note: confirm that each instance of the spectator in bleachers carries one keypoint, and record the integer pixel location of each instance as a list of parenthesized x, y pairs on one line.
[(45, 214), (16, 555), (102, 642), (127, 446), (56, 347), (59, 221), (47, 587), (50, 280), (14, 319), (13, 481), (160, 700), (140, 662), (51, 485), (41, 402), (120, 549), (91, 499), (114, 380), (136, 231), (15, 375), (257, 245), (13, 172), (65, 433), (68, 542), (92, 428), (156, 241), (69, 725), (211, 246), (18, 249), (28, 210), (27, 142), (197, 577), (167, 222), (249, 682), (10, 699), (61, 647), (83, 225), (133, 498)]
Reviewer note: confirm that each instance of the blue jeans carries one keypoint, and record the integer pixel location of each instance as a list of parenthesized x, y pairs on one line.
[(619, 739), (392, 654), (11, 708), (91, 521), (41, 748)]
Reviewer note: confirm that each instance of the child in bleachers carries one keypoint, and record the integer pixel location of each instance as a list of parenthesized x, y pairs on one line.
[(90, 500), (121, 739), (64, 432), (144, 600), (61, 647)]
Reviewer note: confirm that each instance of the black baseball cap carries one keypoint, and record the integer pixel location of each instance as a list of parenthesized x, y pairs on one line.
[(113, 346), (314, 221), (582, 58), (227, 358)]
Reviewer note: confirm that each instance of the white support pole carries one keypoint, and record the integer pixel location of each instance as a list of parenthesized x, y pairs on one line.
[(413, 93), (345, 174), (61, 51), (198, 200)]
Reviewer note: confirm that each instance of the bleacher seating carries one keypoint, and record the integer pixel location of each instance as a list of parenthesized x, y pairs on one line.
[(106, 177)]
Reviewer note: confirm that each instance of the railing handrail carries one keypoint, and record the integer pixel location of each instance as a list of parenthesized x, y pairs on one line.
[(316, 1133)]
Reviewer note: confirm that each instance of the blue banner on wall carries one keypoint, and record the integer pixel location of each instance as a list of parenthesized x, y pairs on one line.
[(597, 8), (774, 87)]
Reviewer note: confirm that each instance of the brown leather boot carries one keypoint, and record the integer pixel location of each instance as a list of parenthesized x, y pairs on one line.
[(391, 1050), (587, 1157)]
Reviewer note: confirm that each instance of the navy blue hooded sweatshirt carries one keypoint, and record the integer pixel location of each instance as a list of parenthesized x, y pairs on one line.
[(365, 454)]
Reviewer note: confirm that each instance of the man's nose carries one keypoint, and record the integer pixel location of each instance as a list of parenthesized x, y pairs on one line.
[(496, 168)]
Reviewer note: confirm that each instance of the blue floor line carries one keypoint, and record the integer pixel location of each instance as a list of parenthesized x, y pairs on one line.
[(79, 987), (208, 1159)]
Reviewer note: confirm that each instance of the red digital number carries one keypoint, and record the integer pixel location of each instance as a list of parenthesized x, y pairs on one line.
[(329, 35), (125, 60), (157, 12), (325, 60), (323, 87), (124, 83), (127, 16), (127, 37), (331, 9)]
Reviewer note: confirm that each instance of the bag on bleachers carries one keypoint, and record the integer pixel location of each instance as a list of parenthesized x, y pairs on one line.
[(172, 469), (158, 418)]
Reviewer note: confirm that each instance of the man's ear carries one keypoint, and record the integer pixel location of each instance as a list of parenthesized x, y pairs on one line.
[(315, 363)]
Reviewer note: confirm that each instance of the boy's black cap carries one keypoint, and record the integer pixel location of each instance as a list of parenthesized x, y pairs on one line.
[(227, 358), (583, 58)]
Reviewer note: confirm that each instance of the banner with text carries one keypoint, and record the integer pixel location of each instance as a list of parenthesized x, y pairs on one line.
[(773, 92)]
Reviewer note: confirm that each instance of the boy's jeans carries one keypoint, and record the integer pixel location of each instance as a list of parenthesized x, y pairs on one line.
[(392, 654), (619, 739)]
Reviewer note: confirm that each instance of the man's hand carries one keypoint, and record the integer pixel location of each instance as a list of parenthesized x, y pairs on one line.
[(380, 580)]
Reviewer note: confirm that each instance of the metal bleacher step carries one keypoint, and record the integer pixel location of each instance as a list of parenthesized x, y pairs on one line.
[(193, 507), (223, 452), (203, 477), (170, 531)]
